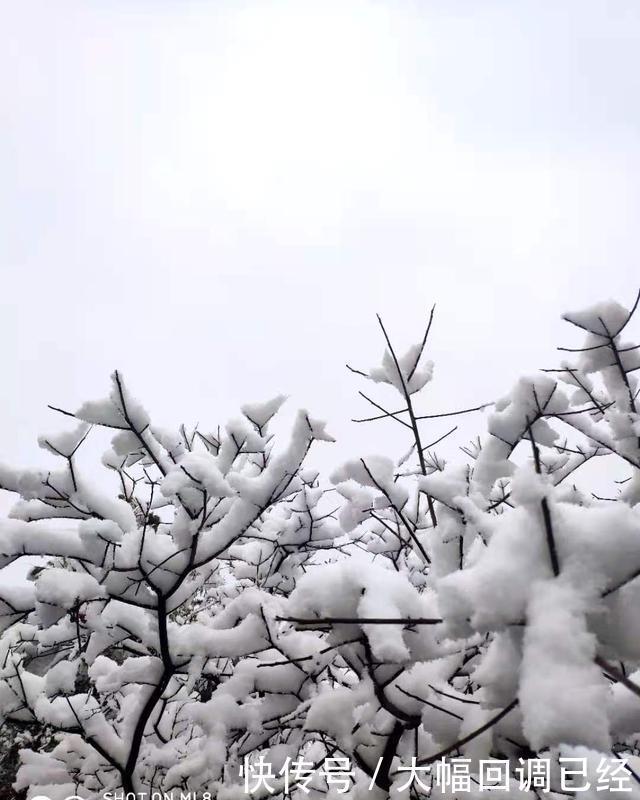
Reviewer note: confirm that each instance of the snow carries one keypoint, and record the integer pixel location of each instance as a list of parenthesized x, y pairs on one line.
[(361, 590), (562, 692), (200, 469), (222, 582), (261, 413), (61, 678), (513, 416), (408, 376), (601, 319), (375, 472), (334, 711), (494, 591), (498, 673), (65, 443), (58, 586)]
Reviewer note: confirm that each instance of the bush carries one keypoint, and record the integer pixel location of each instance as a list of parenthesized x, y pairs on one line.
[(216, 623)]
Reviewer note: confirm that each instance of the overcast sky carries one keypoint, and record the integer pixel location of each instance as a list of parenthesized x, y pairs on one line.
[(217, 197)]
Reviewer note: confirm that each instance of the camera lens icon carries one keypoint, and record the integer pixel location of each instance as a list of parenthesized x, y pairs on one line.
[(45, 797)]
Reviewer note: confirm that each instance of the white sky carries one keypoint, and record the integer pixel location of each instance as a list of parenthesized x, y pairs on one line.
[(216, 197)]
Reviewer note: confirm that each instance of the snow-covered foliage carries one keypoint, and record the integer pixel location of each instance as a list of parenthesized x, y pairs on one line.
[(141, 639), (219, 614)]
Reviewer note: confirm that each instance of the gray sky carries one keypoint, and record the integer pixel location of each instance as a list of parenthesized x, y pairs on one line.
[(216, 197)]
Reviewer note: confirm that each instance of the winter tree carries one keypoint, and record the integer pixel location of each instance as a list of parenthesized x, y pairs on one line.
[(219, 628), (153, 599)]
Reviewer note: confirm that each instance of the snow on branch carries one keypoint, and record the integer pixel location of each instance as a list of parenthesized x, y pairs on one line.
[(221, 613)]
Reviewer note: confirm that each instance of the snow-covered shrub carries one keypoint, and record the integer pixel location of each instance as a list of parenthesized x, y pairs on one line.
[(537, 655), (215, 629), (140, 640)]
